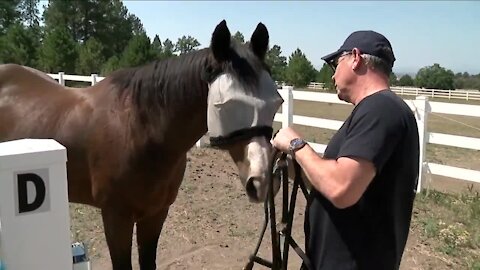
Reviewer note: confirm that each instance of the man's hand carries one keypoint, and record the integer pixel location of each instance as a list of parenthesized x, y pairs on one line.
[(281, 141)]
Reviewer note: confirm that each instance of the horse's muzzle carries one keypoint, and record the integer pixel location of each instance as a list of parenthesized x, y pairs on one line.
[(253, 187)]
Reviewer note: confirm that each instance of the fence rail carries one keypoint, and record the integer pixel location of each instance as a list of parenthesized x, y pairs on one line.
[(61, 77), (412, 91), (406, 91), (421, 106)]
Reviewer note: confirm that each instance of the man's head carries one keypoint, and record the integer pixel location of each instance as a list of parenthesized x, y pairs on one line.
[(363, 52)]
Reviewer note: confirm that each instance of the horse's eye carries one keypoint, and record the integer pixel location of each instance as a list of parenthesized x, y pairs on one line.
[(210, 73)]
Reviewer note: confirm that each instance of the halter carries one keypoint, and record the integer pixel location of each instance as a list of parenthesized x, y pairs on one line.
[(241, 134), (282, 237)]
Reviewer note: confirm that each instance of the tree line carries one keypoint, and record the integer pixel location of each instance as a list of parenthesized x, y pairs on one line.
[(91, 36)]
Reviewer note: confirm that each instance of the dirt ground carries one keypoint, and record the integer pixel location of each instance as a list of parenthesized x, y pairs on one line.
[(213, 226)]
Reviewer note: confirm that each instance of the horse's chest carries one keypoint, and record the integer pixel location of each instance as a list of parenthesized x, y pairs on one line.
[(156, 188)]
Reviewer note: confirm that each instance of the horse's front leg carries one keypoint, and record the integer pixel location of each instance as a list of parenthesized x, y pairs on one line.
[(148, 233), (150, 227), (118, 232)]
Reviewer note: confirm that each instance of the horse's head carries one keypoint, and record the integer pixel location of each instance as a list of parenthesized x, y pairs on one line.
[(242, 102)]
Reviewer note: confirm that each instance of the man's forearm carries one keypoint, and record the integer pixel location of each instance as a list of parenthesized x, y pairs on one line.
[(324, 176)]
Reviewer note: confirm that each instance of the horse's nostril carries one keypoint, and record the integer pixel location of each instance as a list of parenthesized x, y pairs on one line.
[(252, 186)]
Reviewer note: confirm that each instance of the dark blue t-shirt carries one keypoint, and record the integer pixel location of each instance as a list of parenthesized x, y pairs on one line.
[(372, 233)]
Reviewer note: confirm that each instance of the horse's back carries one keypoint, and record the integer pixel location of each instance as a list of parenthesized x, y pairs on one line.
[(22, 78), (34, 105)]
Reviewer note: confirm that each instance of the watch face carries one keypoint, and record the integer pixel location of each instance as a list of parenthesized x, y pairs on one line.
[(295, 143)]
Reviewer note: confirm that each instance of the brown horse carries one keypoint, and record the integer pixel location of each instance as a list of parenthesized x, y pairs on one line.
[(127, 136)]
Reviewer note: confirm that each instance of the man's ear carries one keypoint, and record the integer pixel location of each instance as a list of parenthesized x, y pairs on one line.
[(357, 58), (355, 63)]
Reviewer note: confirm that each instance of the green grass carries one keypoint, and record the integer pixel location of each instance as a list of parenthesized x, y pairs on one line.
[(451, 225)]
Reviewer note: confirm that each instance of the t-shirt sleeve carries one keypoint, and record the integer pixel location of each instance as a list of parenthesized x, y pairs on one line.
[(375, 130)]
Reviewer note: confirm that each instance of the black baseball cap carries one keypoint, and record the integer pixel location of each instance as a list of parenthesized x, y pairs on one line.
[(368, 42)]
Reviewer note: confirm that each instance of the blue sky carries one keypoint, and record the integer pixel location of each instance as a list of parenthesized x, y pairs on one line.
[(421, 33)]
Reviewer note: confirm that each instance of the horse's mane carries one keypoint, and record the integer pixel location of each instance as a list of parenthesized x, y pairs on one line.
[(165, 83), (152, 84)]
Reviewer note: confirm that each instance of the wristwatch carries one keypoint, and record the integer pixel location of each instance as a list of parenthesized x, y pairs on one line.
[(295, 145)]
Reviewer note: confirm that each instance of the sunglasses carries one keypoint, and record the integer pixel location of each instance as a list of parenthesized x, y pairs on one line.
[(334, 62)]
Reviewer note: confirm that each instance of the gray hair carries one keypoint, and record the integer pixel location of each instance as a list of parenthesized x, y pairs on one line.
[(377, 63)]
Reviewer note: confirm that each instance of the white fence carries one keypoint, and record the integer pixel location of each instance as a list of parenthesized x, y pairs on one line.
[(316, 86), (412, 91), (61, 78), (406, 91), (437, 93), (421, 106)]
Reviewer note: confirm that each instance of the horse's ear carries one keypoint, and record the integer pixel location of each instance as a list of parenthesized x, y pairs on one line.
[(220, 43), (259, 41)]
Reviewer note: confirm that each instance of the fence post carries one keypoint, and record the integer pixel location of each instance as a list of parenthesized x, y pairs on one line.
[(200, 143), (61, 80), (422, 109), (94, 79), (287, 106)]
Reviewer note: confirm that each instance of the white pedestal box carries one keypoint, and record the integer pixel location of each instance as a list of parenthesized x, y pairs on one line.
[(34, 212)]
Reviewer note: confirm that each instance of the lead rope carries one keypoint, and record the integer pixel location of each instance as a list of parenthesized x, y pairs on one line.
[(282, 236)]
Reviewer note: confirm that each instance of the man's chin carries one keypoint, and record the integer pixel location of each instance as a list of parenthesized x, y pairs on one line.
[(341, 96)]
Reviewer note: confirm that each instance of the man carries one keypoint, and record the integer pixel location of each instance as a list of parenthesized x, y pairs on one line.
[(358, 216)]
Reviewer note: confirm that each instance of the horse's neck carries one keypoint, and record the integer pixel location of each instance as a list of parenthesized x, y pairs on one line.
[(183, 127), (181, 119)]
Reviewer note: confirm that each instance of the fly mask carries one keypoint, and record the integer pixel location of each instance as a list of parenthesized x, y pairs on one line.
[(236, 113)]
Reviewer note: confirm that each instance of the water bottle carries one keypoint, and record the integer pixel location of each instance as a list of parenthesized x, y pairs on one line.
[(80, 257)]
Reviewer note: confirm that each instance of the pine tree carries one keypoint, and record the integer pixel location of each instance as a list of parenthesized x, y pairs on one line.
[(300, 72), (58, 51), (157, 48), (29, 13), (8, 14), (138, 52), (90, 57), (276, 62)]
